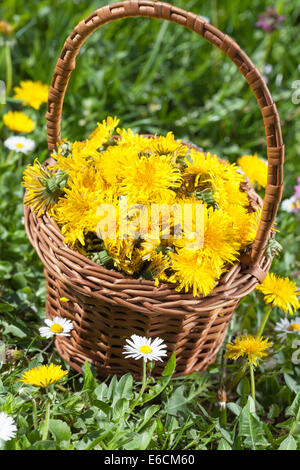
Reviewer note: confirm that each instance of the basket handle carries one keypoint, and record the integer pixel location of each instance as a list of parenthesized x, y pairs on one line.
[(156, 9)]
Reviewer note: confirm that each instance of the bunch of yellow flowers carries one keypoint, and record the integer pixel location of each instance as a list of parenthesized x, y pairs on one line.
[(86, 190)]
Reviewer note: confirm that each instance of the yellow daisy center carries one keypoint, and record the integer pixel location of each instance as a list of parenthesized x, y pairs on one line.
[(145, 349), (56, 328), (294, 326), (20, 146)]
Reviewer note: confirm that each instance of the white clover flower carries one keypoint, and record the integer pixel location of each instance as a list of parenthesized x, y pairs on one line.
[(19, 144), (285, 327), (140, 347), (8, 428), (58, 326)]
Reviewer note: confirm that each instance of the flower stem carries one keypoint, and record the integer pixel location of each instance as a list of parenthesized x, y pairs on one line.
[(9, 157), (34, 414), (223, 416), (238, 377), (263, 323), (252, 381), (8, 69), (48, 345), (47, 418), (30, 344), (144, 382)]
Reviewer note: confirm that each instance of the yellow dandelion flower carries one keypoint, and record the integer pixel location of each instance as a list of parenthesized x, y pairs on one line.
[(18, 122), (193, 272), (244, 222), (227, 191), (149, 246), (32, 93), (167, 145), (199, 168), (130, 139), (102, 133), (255, 168), (150, 178), (248, 346), (280, 292), (75, 162), (43, 376), (42, 188), (114, 162), (76, 213), (202, 169), (220, 236), (159, 264), (126, 257)]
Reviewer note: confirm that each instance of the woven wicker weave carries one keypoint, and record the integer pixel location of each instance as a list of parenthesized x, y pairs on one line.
[(105, 306)]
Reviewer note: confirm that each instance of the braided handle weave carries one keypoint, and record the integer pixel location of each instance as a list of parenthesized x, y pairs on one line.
[(156, 9)]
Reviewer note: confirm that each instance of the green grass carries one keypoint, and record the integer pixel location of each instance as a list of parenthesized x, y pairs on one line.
[(155, 76)]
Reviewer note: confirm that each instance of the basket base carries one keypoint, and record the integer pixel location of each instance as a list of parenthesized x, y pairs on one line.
[(76, 359)]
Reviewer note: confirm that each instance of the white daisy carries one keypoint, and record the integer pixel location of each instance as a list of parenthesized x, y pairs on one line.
[(19, 144), (58, 326), (290, 205), (7, 427), (140, 347), (285, 327)]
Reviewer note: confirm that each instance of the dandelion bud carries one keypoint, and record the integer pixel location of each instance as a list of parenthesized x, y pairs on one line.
[(221, 396), (13, 355)]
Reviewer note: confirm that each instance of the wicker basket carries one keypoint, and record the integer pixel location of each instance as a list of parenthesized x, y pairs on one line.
[(105, 306)]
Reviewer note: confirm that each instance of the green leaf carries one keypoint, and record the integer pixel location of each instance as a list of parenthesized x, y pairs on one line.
[(101, 391), (102, 406), (294, 409), (223, 445), (111, 388), (43, 445), (289, 443), (141, 441), (5, 307), (291, 383), (14, 330), (177, 402), (89, 382), (60, 430), (123, 388), (95, 438), (234, 408), (250, 427), (243, 387), (19, 281), (147, 415), (5, 269), (170, 366), (120, 409)]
